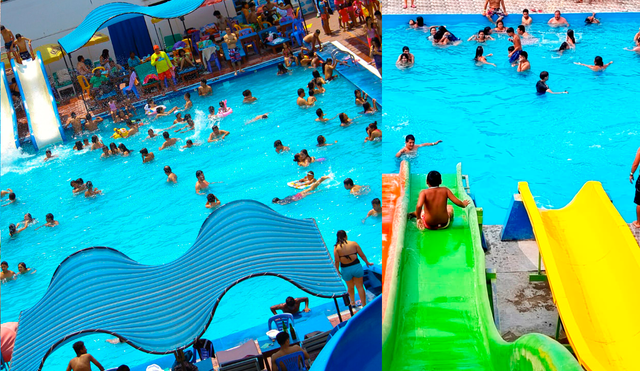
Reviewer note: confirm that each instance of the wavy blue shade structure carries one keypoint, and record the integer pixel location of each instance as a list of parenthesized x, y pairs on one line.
[(159, 309), (112, 13)]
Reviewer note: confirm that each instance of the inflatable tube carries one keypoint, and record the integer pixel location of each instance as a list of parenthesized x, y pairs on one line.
[(120, 133), (227, 110), (152, 112)]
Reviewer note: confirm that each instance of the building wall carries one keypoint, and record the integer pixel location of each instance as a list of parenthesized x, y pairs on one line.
[(45, 22)]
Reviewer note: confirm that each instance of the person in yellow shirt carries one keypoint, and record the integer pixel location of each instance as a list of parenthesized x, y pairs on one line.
[(162, 63)]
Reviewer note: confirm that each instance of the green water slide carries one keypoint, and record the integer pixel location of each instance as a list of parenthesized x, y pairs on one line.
[(438, 315)]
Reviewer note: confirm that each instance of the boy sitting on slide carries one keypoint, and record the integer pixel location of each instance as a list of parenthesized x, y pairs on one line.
[(432, 210)]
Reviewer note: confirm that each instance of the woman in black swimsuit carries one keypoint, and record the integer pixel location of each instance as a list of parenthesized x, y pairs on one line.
[(346, 254)]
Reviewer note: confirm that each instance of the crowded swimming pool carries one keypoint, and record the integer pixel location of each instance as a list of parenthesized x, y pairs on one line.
[(155, 222), (491, 119)]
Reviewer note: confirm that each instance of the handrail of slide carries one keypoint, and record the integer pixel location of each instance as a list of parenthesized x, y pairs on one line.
[(25, 88), (7, 104), (592, 263), (438, 314)]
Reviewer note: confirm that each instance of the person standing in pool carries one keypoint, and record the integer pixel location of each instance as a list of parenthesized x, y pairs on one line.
[(146, 156), (310, 41), (201, 183), (168, 142), (636, 200), (517, 46), (376, 209), (300, 195), (187, 101), (171, 177), (91, 123), (496, 7), (204, 89), (432, 210), (523, 62), (410, 146), (406, 52), (557, 20), (291, 305), (481, 59), (248, 96), (6, 274), (301, 101), (91, 191), (75, 123), (542, 87), (526, 19), (598, 64), (217, 134), (212, 201), (345, 255), (83, 360)]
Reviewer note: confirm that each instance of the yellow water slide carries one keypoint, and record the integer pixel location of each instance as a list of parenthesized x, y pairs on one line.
[(593, 265)]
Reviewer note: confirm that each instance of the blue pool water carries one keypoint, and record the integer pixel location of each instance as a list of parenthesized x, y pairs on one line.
[(490, 118), (154, 222)]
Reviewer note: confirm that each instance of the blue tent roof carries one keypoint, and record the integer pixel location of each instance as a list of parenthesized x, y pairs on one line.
[(159, 309), (112, 13)]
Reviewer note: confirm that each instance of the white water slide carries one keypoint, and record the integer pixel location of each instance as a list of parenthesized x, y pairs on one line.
[(8, 120), (45, 127)]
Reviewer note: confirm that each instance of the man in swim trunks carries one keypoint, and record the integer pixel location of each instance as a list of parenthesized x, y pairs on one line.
[(300, 195), (171, 177), (201, 183), (146, 155), (496, 7), (523, 62), (231, 39), (376, 209), (526, 20), (7, 37), (48, 156), (6, 274), (217, 134), (204, 89), (411, 147), (558, 20), (20, 49), (168, 142), (522, 32), (190, 144), (91, 123), (301, 101), (291, 305), (354, 189), (636, 200), (151, 134), (248, 97), (432, 210), (83, 360), (285, 349), (310, 41), (517, 46), (160, 60), (259, 117)]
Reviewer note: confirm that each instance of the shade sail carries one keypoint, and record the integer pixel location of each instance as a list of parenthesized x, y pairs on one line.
[(112, 13), (159, 309)]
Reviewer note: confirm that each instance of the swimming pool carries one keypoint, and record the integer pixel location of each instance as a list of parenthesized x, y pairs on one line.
[(154, 222), (491, 119)]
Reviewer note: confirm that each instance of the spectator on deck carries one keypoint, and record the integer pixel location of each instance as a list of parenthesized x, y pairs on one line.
[(285, 349), (82, 67), (133, 60)]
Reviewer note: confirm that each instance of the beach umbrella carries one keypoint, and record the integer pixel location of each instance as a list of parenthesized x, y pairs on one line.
[(211, 2), (50, 53)]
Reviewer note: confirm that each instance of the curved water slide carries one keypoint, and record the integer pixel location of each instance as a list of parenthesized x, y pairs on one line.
[(438, 315), (355, 346), (592, 263), (40, 106), (9, 123)]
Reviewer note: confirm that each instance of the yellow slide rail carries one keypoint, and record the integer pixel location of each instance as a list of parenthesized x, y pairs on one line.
[(592, 263)]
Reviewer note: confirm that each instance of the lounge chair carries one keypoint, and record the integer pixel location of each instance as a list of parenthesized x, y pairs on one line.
[(246, 357)]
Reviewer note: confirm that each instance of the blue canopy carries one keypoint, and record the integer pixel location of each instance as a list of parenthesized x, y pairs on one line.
[(159, 309), (112, 13)]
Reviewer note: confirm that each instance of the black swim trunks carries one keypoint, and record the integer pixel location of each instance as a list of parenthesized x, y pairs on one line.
[(636, 200)]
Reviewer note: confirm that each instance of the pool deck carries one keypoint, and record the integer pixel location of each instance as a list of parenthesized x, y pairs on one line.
[(523, 306), (514, 7)]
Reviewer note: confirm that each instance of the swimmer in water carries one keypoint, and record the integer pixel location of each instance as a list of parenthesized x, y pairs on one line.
[(212, 113), (212, 201), (22, 269), (312, 99), (12, 199), (248, 97), (151, 134), (91, 124), (345, 120), (523, 62), (6, 274), (376, 209), (322, 142), (187, 101), (500, 27), (78, 185), (598, 64), (301, 101), (204, 89), (282, 70), (26, 221), (114, 149), (171, 177), (50, 222), (321, 117), (361, 97), (480, 59), (91, 191), (526, 19), (201, 183), (96, 143), (558, 20), (190, 144), (4, 193), (408, 56), (75, 122), (373, 133), (369, 108), (306, 180), (300, 159), (217, 134), (168, 142), (264, 116), (124, 151), (189, 126), (300, 195), (571, 39), (592, 19), (160, 112), (146, 156), (542, 87), (48, 156), (354, 189), (517, 46), (133, 128), (13, 230), (280, 147), (522, 32), (480, 37), (105, 152), (78, 146), (403, 61), (410, 146)]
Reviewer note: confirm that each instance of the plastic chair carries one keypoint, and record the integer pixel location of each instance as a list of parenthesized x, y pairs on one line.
[(132, 86), (280, 320), (293, 362), (84, 84), (97, 68), (225, 49), (298, 32), (247, 32)]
